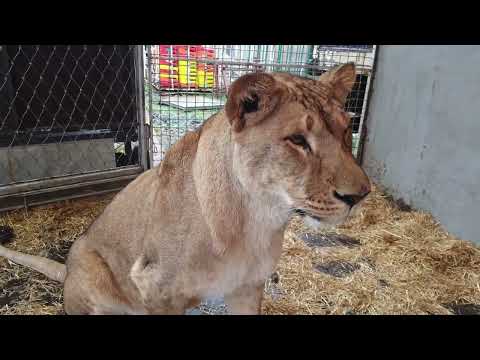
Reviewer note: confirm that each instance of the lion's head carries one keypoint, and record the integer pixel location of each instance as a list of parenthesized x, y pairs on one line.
[(292, 138)]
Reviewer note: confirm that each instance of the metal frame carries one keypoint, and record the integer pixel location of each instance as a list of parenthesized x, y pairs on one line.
[(23, 195), (252, 65)]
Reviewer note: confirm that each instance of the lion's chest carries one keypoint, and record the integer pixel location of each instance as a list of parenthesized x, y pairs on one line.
[(250, 266)]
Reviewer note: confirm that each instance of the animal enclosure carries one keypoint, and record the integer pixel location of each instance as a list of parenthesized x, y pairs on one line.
[(86, 120)]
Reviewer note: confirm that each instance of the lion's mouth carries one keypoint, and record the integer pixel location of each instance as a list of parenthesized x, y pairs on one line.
[(304, 213)]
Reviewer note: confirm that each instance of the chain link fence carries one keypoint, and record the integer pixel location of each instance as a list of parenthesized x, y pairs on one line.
[(69, 116), (72, 117), (186, 84)]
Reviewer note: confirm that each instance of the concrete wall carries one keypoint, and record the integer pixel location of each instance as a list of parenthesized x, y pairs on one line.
[(423, 140)]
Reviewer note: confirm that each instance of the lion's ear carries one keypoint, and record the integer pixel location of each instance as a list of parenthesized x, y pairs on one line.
[(250, 99), (342, 78)]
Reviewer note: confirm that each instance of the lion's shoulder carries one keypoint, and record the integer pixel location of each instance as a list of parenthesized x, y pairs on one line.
[(179, 157)]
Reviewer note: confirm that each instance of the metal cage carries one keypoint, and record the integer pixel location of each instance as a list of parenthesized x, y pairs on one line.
[(186, 84)]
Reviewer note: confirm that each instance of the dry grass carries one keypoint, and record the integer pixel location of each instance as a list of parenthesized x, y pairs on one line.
[(404, 263), (407, 265), (46, 231)]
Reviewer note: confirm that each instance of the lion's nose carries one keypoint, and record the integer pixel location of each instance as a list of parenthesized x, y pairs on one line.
[(352, 199)]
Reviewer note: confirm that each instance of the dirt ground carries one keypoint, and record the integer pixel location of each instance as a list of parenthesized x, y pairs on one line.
[(387, 260)]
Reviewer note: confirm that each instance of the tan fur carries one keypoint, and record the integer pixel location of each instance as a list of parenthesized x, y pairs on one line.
[(209, 221)]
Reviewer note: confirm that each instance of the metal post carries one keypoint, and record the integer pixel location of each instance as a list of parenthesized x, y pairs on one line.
[(150, 103), (140, 97), (366, 100)]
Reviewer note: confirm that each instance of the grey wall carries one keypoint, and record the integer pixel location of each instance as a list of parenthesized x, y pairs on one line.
[(423, 141)]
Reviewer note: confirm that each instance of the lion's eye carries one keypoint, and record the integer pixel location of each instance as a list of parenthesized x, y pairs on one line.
[(299, 140)]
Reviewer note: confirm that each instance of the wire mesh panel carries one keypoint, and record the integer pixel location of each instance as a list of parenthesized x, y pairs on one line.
[(66, 110), (186, 84)]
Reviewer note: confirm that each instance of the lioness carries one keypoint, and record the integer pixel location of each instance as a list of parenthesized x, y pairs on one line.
[(210, 220)]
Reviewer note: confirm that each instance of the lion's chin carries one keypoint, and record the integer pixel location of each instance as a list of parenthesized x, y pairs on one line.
[(316, 223)]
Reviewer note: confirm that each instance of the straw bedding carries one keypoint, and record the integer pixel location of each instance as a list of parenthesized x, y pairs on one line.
[(389, 259)]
